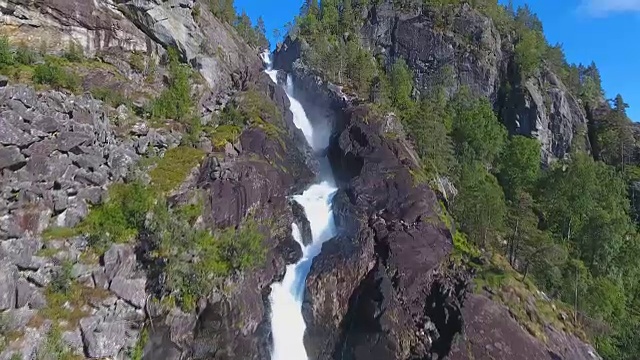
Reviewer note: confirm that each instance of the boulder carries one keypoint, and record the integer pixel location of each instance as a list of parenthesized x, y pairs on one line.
[(68, 140), (12, 135), (73, 339), (10, 157), (131, 290), (120, 261), (17, 319), (47, 124), (8, 283), (103, 338), (29, 295)]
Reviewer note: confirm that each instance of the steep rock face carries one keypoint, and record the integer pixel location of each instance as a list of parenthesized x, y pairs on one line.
[(464, 49), (210, 46), (469, 49), (543, 108), (95, 25), (491, 333), (256, 184), (368, 292)]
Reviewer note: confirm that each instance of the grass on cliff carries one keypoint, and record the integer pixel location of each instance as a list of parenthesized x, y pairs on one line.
[(54, 347), (526, 303), (67, 300), (249, 109), (173, 168)]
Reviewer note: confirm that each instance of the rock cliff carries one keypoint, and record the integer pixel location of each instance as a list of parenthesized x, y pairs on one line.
[(146, 26), (60, 153), (465, 49)]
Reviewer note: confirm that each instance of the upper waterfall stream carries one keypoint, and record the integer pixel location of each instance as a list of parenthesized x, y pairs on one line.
[(287, 323)]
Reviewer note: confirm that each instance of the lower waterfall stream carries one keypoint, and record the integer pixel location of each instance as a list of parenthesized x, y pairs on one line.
[(287, 323)]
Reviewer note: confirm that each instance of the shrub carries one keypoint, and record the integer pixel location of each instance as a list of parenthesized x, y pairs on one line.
[(223, 10), (174, 167), (24, 55), (67, 304), (50, 73), (120, 218), (112, 97), (74, 52), (196, 261), (61, 281), (54, 348), (529, 52), (195, 12), (175, 102), (6, 53), (223, 134)]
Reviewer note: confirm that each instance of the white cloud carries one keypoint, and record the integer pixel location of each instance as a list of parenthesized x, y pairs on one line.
[(606, 7)]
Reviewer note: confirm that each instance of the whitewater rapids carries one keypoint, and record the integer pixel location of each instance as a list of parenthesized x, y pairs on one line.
[(287, 323)]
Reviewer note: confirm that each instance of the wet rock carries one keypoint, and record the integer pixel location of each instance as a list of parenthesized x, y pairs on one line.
[(10, 157), (375, 279), (131, 290), (290, 250), (302, 222)]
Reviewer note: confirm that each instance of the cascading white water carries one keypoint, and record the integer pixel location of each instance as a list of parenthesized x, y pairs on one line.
[(287, 323)]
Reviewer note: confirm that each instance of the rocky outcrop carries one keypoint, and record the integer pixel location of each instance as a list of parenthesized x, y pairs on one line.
[(456, 48), (368, 291), (116, 28), (60, 154), (543, 108), (254, 182), (491, 333), (95, 25), (463, 50)]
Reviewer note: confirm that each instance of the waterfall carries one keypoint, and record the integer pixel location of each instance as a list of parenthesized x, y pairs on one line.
[(287, 323)]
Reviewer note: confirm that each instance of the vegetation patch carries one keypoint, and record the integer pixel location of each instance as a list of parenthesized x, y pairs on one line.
[(174, 167), (67, 301), (54, 347), (58, 233), (196, 260)]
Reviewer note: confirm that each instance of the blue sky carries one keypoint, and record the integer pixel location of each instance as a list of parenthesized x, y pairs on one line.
[(605, 31)]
